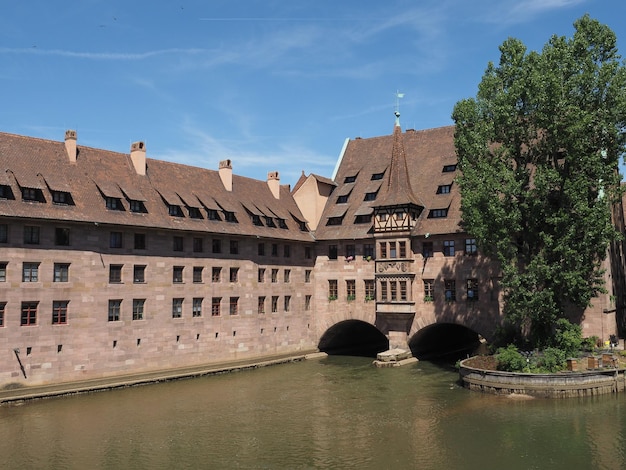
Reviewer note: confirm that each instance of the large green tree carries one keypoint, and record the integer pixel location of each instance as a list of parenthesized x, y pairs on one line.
[(538, 151)]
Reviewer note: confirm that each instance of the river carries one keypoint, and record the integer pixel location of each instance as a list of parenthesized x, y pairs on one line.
[(337, 412)]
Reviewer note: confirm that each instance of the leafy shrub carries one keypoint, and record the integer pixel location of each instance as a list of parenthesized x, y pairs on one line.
[(590, 343), (510, 359), (567, 337), (552, 360)]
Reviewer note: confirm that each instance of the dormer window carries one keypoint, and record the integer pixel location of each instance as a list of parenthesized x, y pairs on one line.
[(349, 179), (449, 168), (194, 213), (363, 219), (302, 226), (62, 197), (137, 206), (342, 199), (114, 203), (212, 214), (175, 210), (334, 221), (32, 195), (444, 189), (269, 221), (256, 220), (282, 223), (378, 176), (6, 192), (437, 213), (370, 196), (230, 217)]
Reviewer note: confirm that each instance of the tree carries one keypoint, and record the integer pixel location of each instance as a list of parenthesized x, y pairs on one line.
[(538, 151)]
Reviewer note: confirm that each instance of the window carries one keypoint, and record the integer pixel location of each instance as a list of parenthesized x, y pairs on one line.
[(342, 199), (449, 168), (216, 245), (403, 292), (332, 289), (177, 243), (402, 247), (378, 176), (196, 308), (177, 274), (307, 252), (234, 305), (370, 293), (140, 241), (198, 244), (287, 303), (444, 189), (2, 309), (370, 196), (234, 274), (197, 274), (6, 192), (115, 273), (450, 290), (4, 233), (137, 206), (261, 305), (216, 274), (383, 291), (230, 217), (261, 249), (427, 249), (212, 214), (59, 312), (194, 213), (215, 306), (363, 219), (61, 272), (470, 246), (334, 220), (429, 291), (350, 179), (274, 249), (287, 275), (138, 309), (287, 251), (274, 303), (437, 213), (393, 290), (30, 272), (234, 247), (350, 251), (256, 220), (307, 302), (261, 275), (472, 289), (114, 310), (350, 289), (115, 240), (368, 251), (3, 271), (139, 273), (61, 236), (32, 194), (274, 275), (113, 203), (448, 247), (392, 250), (31, 235), (282, 223), (175, 210), (307, 276), (383, 250), (332, 251), (29, 313), (177, 308)]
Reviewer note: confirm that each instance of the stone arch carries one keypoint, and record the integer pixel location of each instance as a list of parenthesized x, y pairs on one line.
[(353, 337), (439, 339)]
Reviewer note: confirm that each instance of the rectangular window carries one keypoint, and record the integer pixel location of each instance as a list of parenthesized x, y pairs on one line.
[(2, 309), (448, 247), (177, 243), (350, 251), (216, 306), (332, 251), (274, 275), (332, 289), (30, 272), (32, 194), (194, 213), (29, 313), (115, 240), (287, 275), (234, 274), (429, 291), (287, 251), (427, 249), (450, 290), (114, 310), (140, 241), (470, 246), (370, 196), (139, 273), (137, 206), (261, 249), (216, 245), (4, 233), (234, 305), (370, 292), (31, 235), (216, 274), (212, 214), (368, 251), (177, 274), (392, 250), (138, 309), (59, 312), (307, 252), (307, 276), (287, 303), (261, 275), (274, 303), (261, 305), (115, 273), (3, 271), (350, 289), (444, 189), (198, 244), (472, 289), (197, 274), (383, 250), (177, 308), (196, 308), (61, 272), (402, 247), (234, 247), (438, 213), (393, 290), (62, 236), (113, 203), (175, 210), (403, 292), (383, 291), (274, 249), (307, 302), (449, 168)]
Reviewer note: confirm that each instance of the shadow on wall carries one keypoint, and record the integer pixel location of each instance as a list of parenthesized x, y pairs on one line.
[(353, 338)]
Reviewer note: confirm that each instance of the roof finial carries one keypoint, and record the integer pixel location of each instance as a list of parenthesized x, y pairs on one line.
[(397, 110)]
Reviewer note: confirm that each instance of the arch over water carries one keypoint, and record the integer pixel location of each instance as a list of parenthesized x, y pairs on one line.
[(353, 337), (443, 339)]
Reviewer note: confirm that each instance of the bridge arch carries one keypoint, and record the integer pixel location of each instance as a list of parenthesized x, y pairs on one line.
[(353, 337), (439, 339)]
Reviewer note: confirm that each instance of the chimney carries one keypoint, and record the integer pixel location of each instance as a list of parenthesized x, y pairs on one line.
[(273, 181), (70, 145), (226, 174), (138, 157)]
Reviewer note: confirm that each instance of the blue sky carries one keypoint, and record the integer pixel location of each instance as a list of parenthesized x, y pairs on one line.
[(270, 84)]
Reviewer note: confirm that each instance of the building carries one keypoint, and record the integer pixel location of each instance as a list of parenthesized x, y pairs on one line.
[(117, 263)]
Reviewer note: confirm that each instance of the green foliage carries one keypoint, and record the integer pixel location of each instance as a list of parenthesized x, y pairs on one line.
[(590, 343), (567, 337), (538, 151), (552, 360), (510, 359)]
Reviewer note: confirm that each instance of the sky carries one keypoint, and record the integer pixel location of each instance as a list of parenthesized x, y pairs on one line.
[(273, 85)]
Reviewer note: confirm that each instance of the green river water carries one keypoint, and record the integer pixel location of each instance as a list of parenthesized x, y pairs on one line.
[(331, 413)]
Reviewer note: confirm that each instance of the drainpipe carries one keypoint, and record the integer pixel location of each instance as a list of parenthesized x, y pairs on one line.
[(17, 356)]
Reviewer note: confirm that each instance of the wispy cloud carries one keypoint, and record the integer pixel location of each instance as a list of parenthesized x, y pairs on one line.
[(100, 55), (525, 10)]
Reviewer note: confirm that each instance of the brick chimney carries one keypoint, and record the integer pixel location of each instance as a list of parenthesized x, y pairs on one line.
[(138, 157), (273, 181), (226, 174), (70, 145)]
